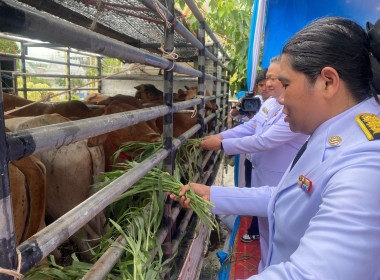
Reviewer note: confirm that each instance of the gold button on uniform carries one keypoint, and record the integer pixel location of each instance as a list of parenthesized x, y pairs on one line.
[(253, 167), (335, 140)]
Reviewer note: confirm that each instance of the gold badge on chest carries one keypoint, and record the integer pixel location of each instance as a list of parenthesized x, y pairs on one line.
[(335, 140)]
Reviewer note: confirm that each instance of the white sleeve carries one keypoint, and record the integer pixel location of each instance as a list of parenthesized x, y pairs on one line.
[(278, 134), (246, 129), (241, 201)]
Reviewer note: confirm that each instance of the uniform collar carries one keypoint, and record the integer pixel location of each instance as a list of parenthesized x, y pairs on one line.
[(321, 140)]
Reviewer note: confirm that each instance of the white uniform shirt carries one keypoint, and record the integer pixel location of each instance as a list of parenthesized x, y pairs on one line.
[(273, 145), (332, 232)]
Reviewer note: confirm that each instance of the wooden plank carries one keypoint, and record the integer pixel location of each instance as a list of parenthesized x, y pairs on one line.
[(195, 255)]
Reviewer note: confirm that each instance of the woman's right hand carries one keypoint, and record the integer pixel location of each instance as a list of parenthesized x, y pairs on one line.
[(199, 189), (212, 142)]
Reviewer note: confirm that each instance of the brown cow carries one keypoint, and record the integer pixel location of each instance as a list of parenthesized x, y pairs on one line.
[(70, 170), (112, 141), (192, 93), (70, 109), (183, 120), (11, 101), (94, 99), (27, 178), (76, 109), (148, 93), (103, 99)]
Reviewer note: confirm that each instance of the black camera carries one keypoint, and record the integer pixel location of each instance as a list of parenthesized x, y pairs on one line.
[(250, 103)]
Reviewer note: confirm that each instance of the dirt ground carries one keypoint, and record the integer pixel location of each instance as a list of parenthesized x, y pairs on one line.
[(211, 264)]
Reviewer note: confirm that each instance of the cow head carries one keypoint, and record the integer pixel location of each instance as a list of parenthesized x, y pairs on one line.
[(148, 92), (142, 131), (180, 96), (192, 93)]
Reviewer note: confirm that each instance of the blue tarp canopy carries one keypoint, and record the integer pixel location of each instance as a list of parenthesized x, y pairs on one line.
[(286, 17)]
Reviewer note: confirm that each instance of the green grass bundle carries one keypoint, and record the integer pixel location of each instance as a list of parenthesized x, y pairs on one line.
[(155, 180), (187, 160)]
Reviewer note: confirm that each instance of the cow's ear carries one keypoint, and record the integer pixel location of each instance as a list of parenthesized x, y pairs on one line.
[(97, 140), (138, 87), (180, 91)]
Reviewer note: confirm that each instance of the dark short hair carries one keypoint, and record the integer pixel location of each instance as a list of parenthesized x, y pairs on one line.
[(262, 75), (336, 42), (276, 59)]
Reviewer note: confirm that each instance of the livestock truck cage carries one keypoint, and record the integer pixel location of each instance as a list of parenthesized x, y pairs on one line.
[(113, 30)]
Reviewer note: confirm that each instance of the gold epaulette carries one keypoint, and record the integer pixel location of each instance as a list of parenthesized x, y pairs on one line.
[(370, 124)]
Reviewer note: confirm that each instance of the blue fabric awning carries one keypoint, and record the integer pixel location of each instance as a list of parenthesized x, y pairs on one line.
[(286, 17)]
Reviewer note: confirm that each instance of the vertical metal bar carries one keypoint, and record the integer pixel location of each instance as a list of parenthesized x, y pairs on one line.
[(201, 88), (168, 134), (215, 88), (221, 103), (214, 92), (225, 99), (68, 72), (228, 91), (99, 60), (201, 80), (15, 87), (8, 258), (24, 52)]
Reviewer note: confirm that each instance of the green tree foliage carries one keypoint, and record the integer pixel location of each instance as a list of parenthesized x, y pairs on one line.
[(7, 46), (75, 82), (230, 20), (109, 65), (37, 95), (10, 47), (38, 80)]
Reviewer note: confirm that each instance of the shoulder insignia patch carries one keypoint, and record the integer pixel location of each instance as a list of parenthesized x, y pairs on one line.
[(370, 124)]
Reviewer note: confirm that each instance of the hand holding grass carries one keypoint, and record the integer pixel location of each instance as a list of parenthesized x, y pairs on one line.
[(212, 142), (199, 189)]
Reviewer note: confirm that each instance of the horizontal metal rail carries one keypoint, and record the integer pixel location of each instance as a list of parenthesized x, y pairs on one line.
[(56, 89), (60, 48), (27, 142), (16, 56), (209, 118), (208, 77), (48, 28), (222, 80), (32, 43)]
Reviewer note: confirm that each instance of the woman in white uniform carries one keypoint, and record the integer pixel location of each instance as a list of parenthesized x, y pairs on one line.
[(324, 216)]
